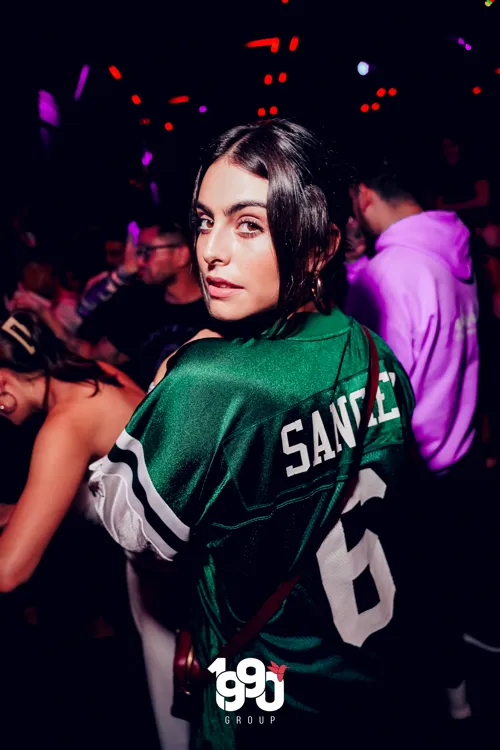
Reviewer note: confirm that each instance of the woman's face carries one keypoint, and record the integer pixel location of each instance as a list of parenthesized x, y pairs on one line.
[(238, 264)]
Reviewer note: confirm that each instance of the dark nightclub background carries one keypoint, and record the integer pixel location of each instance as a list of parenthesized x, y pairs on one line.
[(92, 169)]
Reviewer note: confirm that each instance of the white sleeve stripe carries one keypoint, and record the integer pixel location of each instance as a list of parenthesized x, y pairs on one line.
[(155, 501), (110, 507)]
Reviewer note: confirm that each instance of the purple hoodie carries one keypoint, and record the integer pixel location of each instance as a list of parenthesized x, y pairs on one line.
[(419, 294)]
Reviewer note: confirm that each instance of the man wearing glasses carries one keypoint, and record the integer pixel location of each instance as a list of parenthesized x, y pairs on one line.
[(141, 312)]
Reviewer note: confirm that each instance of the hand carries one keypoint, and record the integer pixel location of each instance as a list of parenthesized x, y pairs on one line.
[(356, 242), (6, 512), (26, 300), (130, 264)]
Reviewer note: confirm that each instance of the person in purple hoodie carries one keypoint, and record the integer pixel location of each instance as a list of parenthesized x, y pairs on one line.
[(418, 292)]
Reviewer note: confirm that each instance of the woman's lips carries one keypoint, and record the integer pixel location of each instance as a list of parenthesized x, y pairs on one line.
[(221, 288)]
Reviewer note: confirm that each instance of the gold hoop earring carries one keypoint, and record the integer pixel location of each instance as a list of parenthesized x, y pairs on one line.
[(8, 402), (318, 294)]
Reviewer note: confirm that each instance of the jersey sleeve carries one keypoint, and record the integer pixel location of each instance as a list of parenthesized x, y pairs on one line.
[(149, 488)]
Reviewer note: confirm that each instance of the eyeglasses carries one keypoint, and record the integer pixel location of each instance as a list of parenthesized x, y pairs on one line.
[(146, 251)]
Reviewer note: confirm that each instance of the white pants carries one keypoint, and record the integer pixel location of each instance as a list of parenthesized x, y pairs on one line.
[(158, 644)]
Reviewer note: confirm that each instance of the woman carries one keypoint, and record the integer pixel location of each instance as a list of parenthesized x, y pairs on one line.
[(38, 374), (237, 460)]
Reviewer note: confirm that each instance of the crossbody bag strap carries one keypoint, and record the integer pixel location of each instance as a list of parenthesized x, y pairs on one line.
[(274, 602)]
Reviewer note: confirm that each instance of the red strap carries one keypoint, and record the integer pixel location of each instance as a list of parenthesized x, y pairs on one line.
[(274, 602)]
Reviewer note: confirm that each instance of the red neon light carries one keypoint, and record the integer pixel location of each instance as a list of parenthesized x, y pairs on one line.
[(145, 121), (477, 90), (392, 92), (273, 110), (272, 42), (294, 43), (115, 72), (169, 126), (381, 92), (365, 107), (136, 99), (285, 2), (375, 106), (282, 77), (268, 79), (178, 99), (497, 71), (261, 112)]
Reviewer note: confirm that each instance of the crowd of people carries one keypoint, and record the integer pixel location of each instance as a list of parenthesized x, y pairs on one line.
[(289, 486)]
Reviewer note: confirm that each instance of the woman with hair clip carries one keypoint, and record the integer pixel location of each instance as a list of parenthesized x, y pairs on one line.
[(270, 462), (87, 404)]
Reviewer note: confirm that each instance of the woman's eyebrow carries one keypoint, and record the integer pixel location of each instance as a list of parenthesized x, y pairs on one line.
[(201, 207), (231, 210), (244, 204)]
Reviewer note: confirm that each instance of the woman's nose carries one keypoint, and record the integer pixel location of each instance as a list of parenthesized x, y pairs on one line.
[(217, 248)]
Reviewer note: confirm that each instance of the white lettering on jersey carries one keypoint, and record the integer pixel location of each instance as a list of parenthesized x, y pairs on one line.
[(320, 440), (343, 432), (299, 448), (354, 397), (353, 400), (382, 415), (340, 567), (343, 425)]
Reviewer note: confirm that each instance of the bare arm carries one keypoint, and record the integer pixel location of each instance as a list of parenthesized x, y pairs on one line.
[(103, 350), (60, 458), (481, 199)]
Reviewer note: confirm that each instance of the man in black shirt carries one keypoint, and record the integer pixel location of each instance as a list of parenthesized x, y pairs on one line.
[(144, 310), (167, 308)]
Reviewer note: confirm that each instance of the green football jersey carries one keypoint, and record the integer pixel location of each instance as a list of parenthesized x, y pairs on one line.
[(236, 460)]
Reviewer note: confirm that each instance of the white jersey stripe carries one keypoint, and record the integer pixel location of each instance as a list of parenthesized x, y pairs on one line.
[(156, 502), (121, 513)]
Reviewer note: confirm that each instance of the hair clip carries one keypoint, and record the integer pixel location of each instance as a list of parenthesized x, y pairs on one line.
[(18, 331)]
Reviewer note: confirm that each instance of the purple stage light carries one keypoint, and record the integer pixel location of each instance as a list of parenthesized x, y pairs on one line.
[(147, 158), (48, 110), (81, 81), (202, 108), (461, 41), (154, 192), (45, 136), (468, 47)]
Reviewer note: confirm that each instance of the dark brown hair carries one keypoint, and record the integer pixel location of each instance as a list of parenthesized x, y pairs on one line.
[(50, 357)]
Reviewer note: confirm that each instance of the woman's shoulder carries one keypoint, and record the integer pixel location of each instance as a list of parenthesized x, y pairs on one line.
[(64, 427), (203, 356)]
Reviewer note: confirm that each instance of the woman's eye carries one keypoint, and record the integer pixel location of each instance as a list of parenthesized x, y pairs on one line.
[(204, 224), (249, 227)]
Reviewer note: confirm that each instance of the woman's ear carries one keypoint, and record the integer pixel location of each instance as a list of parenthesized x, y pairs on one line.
[(333, 245)]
